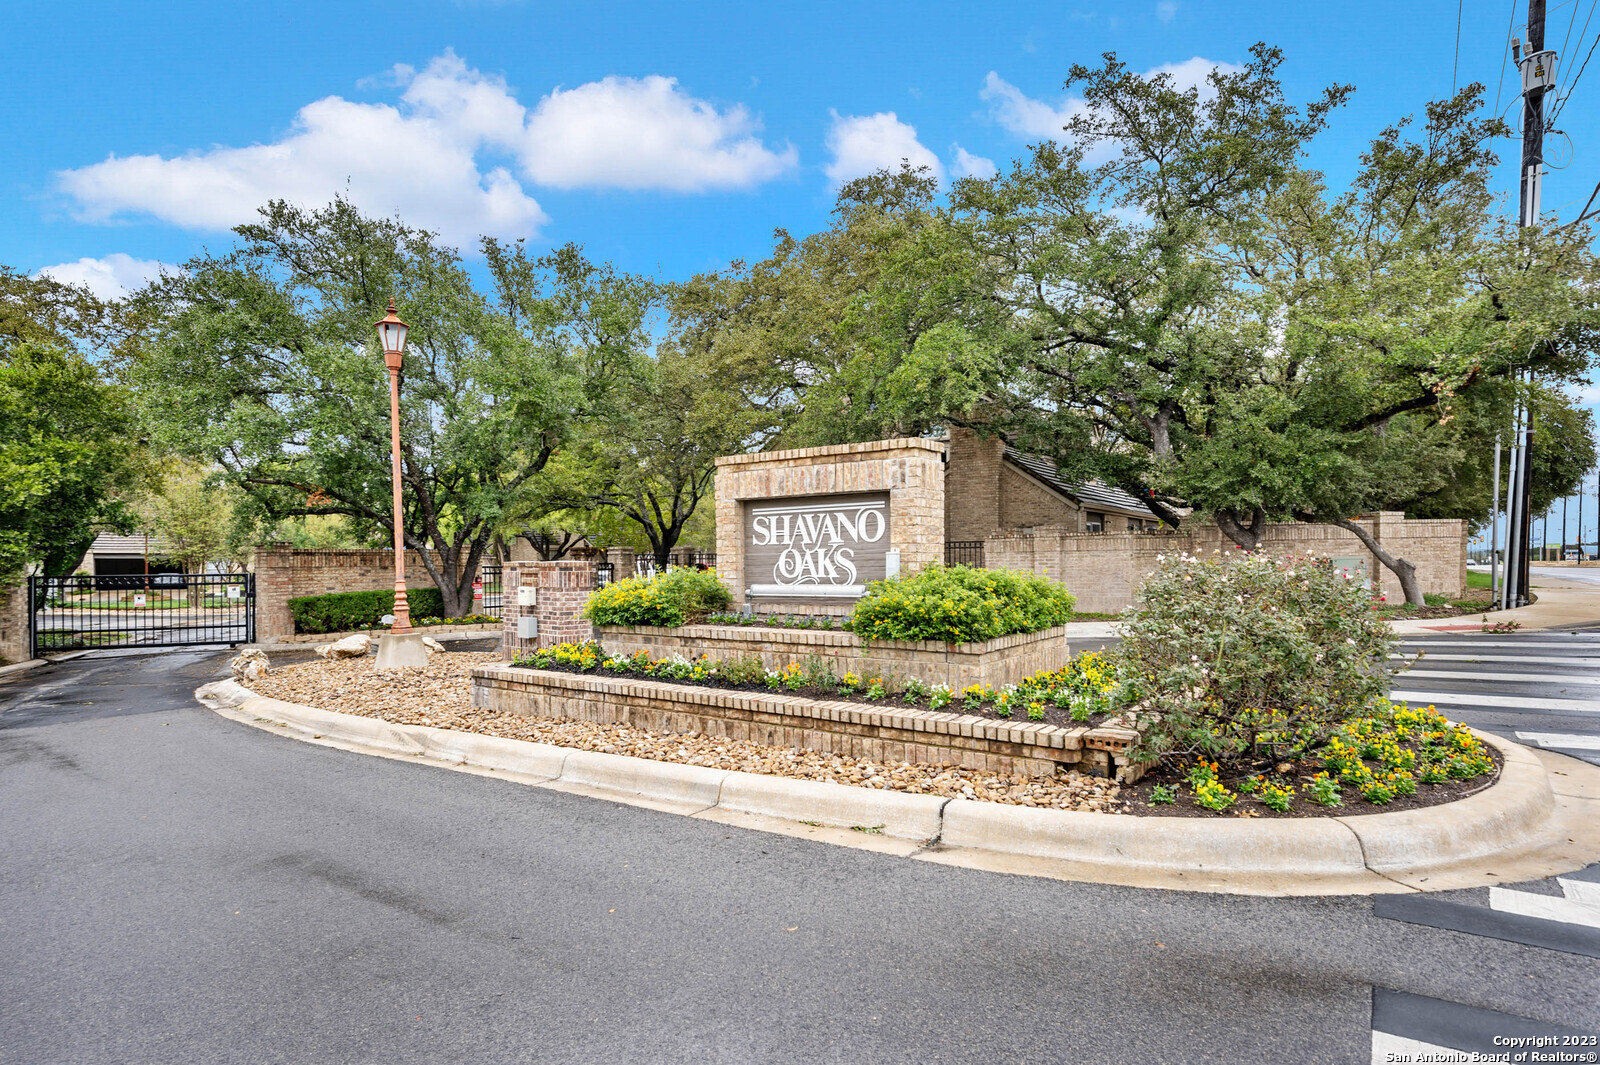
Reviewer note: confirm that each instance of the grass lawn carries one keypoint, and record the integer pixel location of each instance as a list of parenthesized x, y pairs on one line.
[(1476, 579)]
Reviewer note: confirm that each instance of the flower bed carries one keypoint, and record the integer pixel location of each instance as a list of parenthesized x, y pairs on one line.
[(1394, 757), (992, 663), (1076, 694)]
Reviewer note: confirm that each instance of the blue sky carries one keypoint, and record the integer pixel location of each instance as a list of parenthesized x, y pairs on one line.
[(666, 138)]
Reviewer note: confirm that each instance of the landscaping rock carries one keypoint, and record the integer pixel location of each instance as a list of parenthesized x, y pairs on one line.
[(355, 646), (250, 665), (440, 695), (431, 644)]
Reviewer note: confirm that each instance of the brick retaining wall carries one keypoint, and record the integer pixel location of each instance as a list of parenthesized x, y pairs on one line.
[(855, 730), (999, 662)]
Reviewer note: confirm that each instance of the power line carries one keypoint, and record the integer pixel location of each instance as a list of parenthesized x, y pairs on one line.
[(1570, 20), (1574, 82), (1510, 21), (1456, 65), (1562, 102)]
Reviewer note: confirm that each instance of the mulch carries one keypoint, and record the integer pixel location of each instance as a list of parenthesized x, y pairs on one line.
[(1136, 797)]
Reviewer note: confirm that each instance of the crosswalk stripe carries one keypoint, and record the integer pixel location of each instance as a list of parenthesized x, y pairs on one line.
[(1512, 678), (1561, 739), (1564, 908), (1543, 660), (1584, 706), (1387, 1049), (1492, 644)]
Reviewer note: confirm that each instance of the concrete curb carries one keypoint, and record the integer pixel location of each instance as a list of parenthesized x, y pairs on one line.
[(1513, 823), (20, 667)]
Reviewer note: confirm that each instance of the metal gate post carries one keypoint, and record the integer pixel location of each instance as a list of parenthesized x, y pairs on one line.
[(250, 607), (33, 621)]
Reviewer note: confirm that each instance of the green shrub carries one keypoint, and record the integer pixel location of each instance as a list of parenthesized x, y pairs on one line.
[(668, 599), (359, 610), (960, 605), (1250, 659)]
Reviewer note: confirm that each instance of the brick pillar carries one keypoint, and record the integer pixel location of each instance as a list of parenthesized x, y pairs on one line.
[(972, 485), (1389, 529), (622, 559), (561, 589), (14, 623), (274, 586), (510, 581)]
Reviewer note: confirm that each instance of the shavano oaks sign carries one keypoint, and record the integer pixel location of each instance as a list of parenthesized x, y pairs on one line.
[(824, 547), (804, 530)]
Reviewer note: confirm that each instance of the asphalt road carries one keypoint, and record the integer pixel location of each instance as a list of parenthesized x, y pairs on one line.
[(176, 887)]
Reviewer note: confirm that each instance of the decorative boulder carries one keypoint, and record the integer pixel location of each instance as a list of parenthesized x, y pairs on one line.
[(350, 647), (249, 665), (431, 644)]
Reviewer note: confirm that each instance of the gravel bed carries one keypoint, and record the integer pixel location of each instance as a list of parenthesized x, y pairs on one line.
[(441, 696)]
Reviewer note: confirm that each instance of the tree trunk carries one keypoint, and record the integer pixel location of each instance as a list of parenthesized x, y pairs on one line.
[(1405, 571), (1248, 537)]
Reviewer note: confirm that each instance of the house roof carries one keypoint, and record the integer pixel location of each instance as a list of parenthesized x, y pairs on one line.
[(1089, 493), (110, 545)]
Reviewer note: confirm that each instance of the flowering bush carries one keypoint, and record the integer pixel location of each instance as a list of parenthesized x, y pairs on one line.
[(667, 599), (1249, 658), (959, 605)]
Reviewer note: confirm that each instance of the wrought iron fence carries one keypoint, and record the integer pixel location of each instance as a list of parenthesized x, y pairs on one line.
[(159, 610), (697, 559), (604, 574), (490, 593), (964, 553)]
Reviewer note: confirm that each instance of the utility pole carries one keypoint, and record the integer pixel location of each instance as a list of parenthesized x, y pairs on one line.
[(1537, 69), (1494, 528)]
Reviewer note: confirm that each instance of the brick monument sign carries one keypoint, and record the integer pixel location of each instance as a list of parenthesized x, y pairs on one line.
[(803, 531)]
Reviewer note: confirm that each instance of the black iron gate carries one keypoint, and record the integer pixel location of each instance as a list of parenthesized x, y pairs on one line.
[(160, 610)]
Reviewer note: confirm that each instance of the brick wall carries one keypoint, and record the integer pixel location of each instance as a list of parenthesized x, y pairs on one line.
[(13, 623), (283, 574), (1104, 570), (972, 486), (561, 589), (1025, 503), (910, 470), (996, 663), (856, 730)]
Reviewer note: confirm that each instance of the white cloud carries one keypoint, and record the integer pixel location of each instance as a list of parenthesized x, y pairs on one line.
[(1027, 117), (432, 159), (968, 165), (109, 278), (1193, 73), (1023, 115), (1165, 10), (862, 144), (645, 133)]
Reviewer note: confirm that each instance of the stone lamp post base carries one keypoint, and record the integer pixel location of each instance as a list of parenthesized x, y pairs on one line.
[(401, 650)]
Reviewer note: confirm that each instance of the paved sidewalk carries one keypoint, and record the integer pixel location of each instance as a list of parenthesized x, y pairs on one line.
[(1564, 602)]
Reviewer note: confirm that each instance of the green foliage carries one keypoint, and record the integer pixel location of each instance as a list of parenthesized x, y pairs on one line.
[(667, 600), (263, 361), (193, 515), (960, 605), (67, 452), (1248, 657), (342, 611)]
